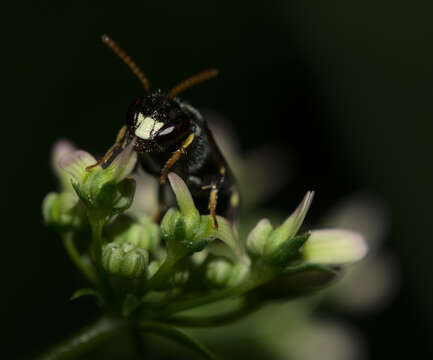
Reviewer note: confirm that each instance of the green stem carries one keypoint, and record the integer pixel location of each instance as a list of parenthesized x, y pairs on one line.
[(163, 273), (87, 271), (176, 335), (83, 341), (259, 277), (216, 320), (97, 225)]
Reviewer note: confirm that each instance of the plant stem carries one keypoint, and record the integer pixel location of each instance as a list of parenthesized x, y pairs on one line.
[(257, 278), (83, 341), (87, 271), (215, 320), (97, 225), (163, 273)]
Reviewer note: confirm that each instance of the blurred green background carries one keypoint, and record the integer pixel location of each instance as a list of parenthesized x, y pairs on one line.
[(345, 88)]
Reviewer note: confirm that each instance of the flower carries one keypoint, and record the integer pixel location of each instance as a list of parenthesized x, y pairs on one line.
[(104, 190)]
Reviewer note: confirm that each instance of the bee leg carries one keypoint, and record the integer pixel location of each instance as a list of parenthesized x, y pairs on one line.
[(213, 197), (120, 142), (175, 157)]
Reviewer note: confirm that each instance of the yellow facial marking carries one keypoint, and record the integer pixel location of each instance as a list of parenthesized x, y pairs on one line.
[(146, 126)]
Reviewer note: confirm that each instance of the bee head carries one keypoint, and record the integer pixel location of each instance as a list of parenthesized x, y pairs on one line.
[(158, 122)]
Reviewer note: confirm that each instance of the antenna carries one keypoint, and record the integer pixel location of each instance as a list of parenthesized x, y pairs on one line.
[(192, 81), (127, 60)]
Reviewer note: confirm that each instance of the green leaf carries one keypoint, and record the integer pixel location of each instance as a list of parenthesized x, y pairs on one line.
[(290, 227), (178, 336), (288, 250), (183, 196), (85, 292), (225, 234)]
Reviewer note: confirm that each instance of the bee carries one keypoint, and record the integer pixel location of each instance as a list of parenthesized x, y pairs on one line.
[(172, 136)]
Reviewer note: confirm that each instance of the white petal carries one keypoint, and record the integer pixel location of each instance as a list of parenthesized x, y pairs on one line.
[(334, 247), (75, 163)]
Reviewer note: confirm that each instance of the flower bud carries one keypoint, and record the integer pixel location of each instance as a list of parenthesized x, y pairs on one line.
[(185, 231), (334, 247), (129, 264), (218, 272), (185, 228), (290, 227), (134, 263), (133, 233), (112, 256), (221, 273), (107, 190), (257, 238), (62, 210), (239, 273), (168, 224)]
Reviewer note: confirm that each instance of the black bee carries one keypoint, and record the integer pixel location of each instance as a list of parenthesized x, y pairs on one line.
[(172, 136)]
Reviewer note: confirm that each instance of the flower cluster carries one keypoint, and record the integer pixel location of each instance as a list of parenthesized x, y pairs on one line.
[(145, 273)]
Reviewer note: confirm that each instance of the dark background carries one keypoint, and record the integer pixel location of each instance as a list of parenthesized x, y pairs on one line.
[(345, 87)]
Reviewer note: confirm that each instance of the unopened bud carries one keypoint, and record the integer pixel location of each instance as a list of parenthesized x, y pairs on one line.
[(218, 272), (62, 210), (134, 263), (257, 238), (334, 247), (221, 272), (129, 264), (107, 189), (131, 233), (290, 227)]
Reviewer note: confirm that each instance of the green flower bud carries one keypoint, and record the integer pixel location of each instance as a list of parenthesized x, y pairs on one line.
[(129, 264), (185, 228), (62, 211), (131, 233), (107, 191), (239, 273), (134, 263), (112, 257), (334, 247), (257, 238), (290, 227), (168, 224), (280, 245), (218, 272), (221, 272)]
